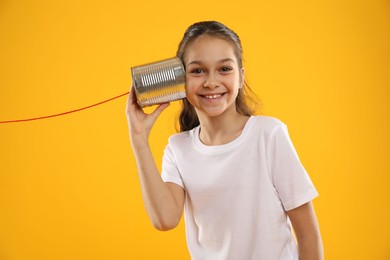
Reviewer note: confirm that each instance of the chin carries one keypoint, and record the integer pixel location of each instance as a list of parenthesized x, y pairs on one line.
[(215, 112)]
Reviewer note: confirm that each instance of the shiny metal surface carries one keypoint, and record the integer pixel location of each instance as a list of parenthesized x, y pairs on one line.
[(159, 82)]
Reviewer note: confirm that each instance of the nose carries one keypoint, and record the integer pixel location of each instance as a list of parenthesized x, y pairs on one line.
[(211, 81)]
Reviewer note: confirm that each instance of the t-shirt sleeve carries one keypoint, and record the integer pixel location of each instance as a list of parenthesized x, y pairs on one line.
[(170, 171), (289, 177)]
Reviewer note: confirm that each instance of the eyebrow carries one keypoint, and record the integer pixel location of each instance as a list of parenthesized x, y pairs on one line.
[(220, 61)]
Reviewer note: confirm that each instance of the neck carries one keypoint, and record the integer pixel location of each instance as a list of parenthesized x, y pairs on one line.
[(221, 129)]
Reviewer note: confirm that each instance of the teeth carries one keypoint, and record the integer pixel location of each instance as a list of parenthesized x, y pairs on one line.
[(213, 96)]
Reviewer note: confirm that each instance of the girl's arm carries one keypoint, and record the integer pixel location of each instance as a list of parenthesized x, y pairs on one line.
[(307, 231), (164, 202)]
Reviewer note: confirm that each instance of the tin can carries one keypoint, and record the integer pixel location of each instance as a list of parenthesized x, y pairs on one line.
[(159, 82)]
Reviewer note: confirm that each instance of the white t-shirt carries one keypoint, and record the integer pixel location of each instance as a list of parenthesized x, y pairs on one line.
[(237, 193)]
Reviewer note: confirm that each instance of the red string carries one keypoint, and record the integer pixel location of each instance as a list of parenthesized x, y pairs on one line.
[(64, 113)]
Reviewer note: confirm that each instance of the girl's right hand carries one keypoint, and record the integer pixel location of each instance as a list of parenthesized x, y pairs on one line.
[(140, 123)]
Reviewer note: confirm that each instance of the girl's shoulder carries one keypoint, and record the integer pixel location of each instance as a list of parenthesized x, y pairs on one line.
[(182, 137), (258, 125), (266, 123)]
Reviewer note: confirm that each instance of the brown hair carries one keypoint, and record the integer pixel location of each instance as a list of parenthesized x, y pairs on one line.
[(188, 118)]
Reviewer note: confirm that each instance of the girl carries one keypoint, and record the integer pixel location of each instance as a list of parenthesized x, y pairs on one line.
[(236, 176)]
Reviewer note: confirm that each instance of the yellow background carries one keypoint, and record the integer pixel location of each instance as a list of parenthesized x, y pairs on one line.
[(68, 185)]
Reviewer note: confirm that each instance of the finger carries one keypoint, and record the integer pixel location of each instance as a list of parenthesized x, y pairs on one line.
[(132, 100), (133, 95), (156, 113)]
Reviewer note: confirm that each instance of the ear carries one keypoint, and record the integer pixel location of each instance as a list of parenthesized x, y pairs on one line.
[(242, 77)]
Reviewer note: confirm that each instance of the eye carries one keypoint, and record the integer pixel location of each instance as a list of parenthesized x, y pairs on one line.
[(225, 69), (197, 71)]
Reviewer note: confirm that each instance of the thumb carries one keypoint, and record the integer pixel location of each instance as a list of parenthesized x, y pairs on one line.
[(156, 113)]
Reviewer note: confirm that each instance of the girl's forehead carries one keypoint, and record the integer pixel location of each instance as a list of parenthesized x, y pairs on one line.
[(209, 41), (209, 48)]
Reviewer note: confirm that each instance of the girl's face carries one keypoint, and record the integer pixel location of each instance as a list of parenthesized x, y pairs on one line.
[(213, 77)]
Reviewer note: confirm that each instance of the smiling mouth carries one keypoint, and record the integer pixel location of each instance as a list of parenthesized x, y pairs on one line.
[(214, 96)]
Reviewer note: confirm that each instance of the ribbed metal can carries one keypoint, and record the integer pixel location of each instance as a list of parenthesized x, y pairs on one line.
[(159, 82)]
